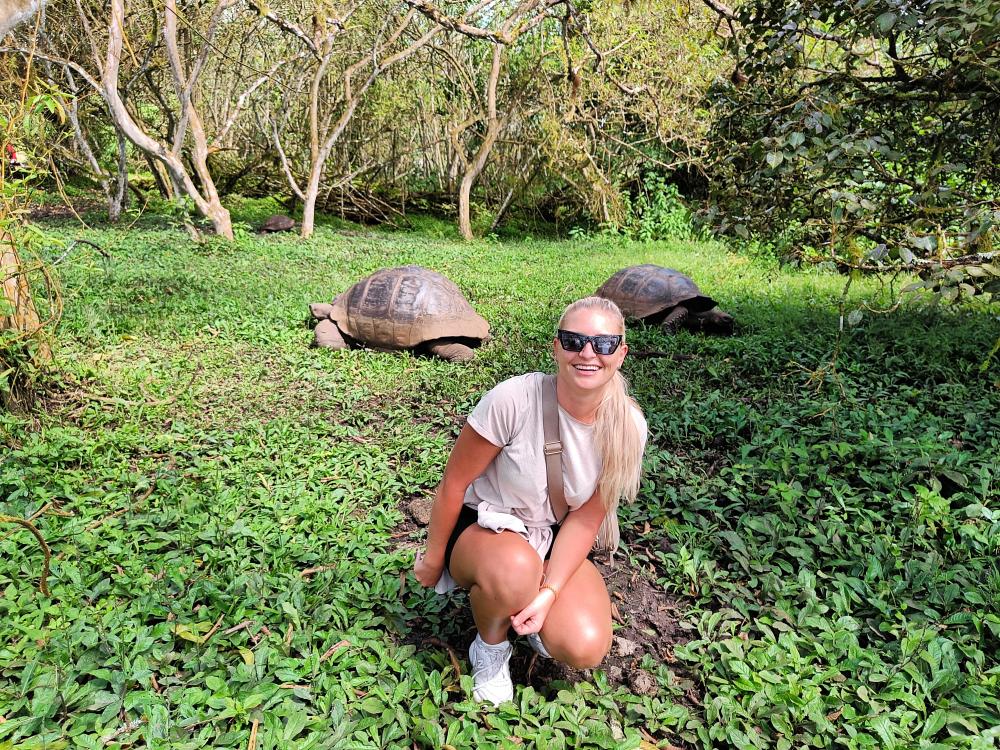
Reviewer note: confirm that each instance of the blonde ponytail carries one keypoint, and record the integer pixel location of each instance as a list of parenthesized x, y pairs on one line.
[(616, 434), (620, 447)]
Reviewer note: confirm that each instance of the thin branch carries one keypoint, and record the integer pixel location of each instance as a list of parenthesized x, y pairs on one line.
[(286, 26), (284, 162), (58, 61), (456, 24), (241, 102), (213, 631), (42, 583)]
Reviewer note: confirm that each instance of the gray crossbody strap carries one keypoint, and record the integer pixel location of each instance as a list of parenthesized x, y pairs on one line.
[(553, 449)]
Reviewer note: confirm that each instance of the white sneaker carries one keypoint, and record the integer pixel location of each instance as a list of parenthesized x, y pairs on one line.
[(490, 671), (535, 641)]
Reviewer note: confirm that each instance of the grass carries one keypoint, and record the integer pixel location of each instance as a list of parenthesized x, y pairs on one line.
[(830, 528)]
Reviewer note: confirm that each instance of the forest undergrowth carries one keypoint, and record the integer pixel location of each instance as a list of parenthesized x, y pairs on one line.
[(227, 509)]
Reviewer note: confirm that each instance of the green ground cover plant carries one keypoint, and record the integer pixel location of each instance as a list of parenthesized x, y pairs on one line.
[(231, 557)]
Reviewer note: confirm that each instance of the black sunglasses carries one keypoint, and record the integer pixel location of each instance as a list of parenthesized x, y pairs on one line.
[(603, 344)]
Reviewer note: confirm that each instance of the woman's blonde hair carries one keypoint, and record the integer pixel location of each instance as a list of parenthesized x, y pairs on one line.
[(619, 442)]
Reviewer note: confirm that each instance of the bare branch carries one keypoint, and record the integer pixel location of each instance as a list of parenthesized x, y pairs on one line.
[(287, 26), (722, 9), (458, 24), (284, 162), (58, 61), (241, 102)]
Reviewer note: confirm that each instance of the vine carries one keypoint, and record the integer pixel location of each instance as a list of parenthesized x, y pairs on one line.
[(43, 581)]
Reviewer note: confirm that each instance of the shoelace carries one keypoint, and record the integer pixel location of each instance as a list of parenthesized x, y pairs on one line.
[(494, 662)]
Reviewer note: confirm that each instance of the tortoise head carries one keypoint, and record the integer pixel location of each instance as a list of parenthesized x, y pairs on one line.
[(713, 321)]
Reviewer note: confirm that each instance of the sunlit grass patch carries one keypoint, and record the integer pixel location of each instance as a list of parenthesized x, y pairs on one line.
[(823, 505)]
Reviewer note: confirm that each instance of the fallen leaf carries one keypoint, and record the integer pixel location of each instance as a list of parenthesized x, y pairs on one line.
[(333, 649)]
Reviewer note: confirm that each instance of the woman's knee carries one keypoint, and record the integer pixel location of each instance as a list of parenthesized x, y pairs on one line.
[(517, 571), (585, 647)]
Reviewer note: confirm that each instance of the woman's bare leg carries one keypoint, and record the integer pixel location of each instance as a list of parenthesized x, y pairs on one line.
[(502, 573), (577, 631)]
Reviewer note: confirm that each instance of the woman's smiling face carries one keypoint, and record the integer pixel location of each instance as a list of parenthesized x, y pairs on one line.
[(586, 369)]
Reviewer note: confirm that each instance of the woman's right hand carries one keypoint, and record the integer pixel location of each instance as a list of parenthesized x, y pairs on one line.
[(426, 571)]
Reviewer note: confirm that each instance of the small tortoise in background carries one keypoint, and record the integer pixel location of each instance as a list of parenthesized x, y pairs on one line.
[(663, 296), (409, 307), (277, 223)]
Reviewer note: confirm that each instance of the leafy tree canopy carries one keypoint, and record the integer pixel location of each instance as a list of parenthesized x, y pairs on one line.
[(866, 128)]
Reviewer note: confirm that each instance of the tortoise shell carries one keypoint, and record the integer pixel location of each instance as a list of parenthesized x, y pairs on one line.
[(277, 223), (649, 292), (400, 308)]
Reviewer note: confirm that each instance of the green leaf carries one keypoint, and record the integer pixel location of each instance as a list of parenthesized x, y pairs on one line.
[(883, 725), (428, 710), (294, 724), (886, 21), (157, 722), (292, 612), (935, 722)]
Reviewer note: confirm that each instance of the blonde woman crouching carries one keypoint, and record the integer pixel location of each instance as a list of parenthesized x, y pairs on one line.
[(493, 530)]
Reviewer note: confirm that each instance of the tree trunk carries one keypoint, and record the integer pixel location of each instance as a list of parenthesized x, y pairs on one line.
[(514, 191), (162, 183), (23, 315), (213, 208), (208, 205), (324, 131), (17, 12), (72, 112), (475, 167), (309, 204), (119, 201)]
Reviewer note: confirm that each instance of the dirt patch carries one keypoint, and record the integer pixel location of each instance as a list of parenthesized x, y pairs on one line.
[(648, 617), (45, 212), (647, 623), (419, 509)]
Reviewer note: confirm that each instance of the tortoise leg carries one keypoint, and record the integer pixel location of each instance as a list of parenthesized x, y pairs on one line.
[(675, 320), (328, 336), (451, 351)]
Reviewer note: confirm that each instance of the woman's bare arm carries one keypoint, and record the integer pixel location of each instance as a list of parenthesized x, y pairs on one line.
[(469, 458), (570, 549), (575, 540)]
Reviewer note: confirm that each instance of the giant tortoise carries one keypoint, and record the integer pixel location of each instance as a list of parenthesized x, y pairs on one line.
[(277, 223), (409, 307), (658, 295)]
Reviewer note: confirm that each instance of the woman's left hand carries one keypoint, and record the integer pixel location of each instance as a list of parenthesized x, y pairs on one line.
[(531, 618)]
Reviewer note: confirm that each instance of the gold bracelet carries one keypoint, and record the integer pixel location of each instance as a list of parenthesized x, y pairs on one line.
[(553, 589)]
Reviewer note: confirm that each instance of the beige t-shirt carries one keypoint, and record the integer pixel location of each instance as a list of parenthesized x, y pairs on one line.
[(510, 417)]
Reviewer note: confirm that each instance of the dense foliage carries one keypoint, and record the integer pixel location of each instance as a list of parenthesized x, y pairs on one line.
[(224, 509), (863, 126), (30, 304)]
